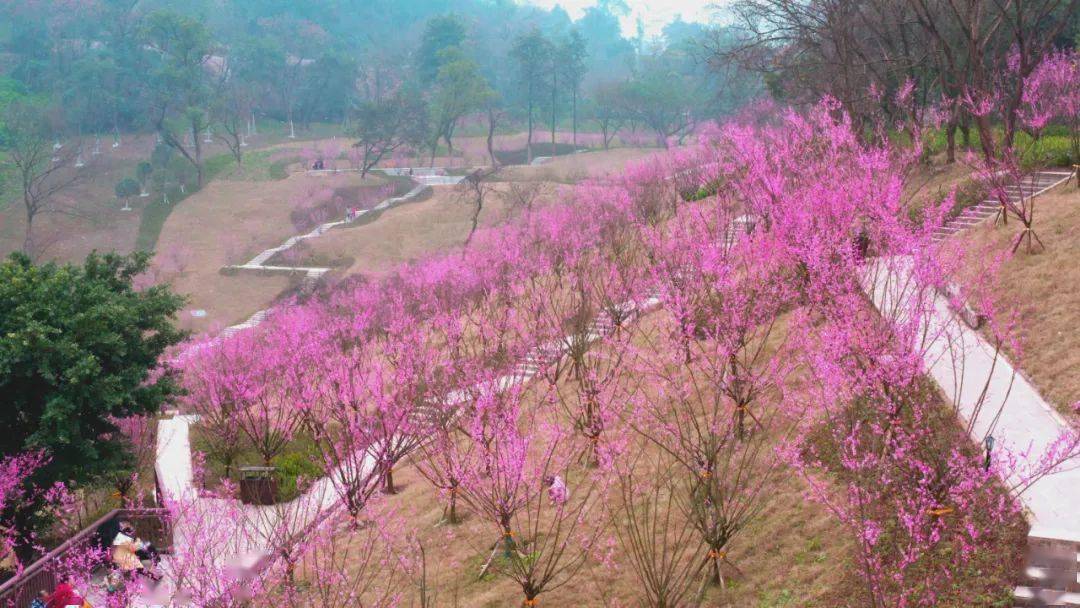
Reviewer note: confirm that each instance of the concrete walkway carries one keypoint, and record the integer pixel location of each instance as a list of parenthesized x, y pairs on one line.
[(990, 396), (311, 274), (992, 399)]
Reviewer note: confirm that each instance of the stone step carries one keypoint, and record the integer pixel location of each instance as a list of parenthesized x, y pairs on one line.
[(1066, 579), (1050, 598)]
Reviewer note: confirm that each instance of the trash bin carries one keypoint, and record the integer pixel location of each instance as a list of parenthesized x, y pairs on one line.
[(258, 486)]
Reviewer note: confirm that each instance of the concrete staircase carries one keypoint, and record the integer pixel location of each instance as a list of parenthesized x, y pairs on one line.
[(1052, 575), (1030, 187)]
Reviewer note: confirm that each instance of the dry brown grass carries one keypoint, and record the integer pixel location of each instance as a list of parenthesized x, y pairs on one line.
[(932, 183), (228, 300), (439, 223), (1045, 288), (228, 222), (793, 553), (576, 167), (96, 221)]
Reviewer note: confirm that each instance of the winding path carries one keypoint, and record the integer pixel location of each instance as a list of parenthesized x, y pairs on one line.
[(995, 399), (967, 369)]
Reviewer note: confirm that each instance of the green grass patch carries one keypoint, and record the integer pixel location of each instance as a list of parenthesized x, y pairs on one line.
[(157, 212), (152, 219), (259, 166), (1054, 148), (777, 599), (297, 466)]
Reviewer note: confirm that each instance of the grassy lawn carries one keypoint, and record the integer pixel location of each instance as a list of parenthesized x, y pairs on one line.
[(1043, 288), (1054, 147), (262, 165), (794, 553), (439, 222)]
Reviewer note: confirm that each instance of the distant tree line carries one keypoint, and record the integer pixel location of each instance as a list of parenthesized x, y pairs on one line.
[(392, 76), (967, 59)]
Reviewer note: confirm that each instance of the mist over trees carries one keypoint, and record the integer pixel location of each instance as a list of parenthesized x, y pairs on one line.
[(183, 67), (196, 72)]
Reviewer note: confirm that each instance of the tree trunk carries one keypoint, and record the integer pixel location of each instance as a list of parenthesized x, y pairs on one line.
[(986, 137), (528, 142), (491, 137), (198, 155), (573, 117), (388, 479), (475, 219), (452, 517), (28, 238), (950, 142), (554, 95), (965, 132)]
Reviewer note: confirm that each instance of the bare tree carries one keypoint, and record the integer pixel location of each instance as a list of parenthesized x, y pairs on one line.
[(42, 170), (521, 196), (230, 112), (663, 547), (976, 42), (474, 190), (848, 50), (611, 111)]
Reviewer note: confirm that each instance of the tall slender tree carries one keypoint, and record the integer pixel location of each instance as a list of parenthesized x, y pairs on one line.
[(532, 52), (573, 58)]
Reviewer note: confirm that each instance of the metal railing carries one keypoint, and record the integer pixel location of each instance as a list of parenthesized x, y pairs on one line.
[(153, 525)]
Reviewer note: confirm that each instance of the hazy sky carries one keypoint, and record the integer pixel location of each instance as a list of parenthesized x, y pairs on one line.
[(653, 13)]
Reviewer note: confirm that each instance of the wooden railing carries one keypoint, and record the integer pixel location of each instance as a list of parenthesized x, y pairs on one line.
[(153, 525)]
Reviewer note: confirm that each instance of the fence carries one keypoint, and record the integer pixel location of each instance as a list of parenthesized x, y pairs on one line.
[(153, 525)]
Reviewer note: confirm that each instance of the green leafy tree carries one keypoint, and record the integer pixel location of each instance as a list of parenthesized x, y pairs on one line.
[(440, 33), (329, 87), (302, 41), (573, 54), (142, 173), (78, 345), (381, 127), (610, 109), (532, 53), (459, 90), (181, 87), (126, 189), (664, 100)]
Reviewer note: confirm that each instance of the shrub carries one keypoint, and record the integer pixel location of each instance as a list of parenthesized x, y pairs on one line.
[(291, 467)]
